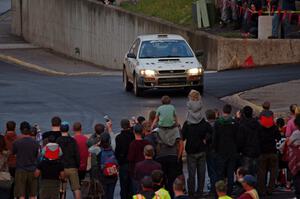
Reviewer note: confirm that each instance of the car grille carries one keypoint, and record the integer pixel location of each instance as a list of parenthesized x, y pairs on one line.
[(171, 81), (171, 72)]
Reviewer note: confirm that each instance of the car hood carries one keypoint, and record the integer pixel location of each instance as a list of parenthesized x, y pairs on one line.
[(169, 63)]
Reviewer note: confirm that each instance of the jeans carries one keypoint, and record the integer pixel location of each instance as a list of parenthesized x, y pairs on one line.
[(211, 169), (297, 185), (267, 162), (4, 193), (225, 170), (170, 165), (285, 26), (196, 163), (109, 190), (125, 182), (226, 5), (250, 164)]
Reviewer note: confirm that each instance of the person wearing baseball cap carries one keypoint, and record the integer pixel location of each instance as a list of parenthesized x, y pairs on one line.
[(249, 182)]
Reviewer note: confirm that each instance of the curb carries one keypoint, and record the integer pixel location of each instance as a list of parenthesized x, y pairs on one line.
[(240, 102), (10, 59)]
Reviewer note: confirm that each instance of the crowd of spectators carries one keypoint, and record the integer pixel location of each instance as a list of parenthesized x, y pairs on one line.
[(243, 14), (246, 156)]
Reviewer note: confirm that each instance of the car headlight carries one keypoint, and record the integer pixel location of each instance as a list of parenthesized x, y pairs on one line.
[(147, 73), (195, 71)]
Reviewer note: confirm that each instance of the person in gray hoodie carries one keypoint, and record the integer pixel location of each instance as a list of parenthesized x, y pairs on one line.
[(195, 131)]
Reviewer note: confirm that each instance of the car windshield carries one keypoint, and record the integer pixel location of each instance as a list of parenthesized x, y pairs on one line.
[(164, 49)]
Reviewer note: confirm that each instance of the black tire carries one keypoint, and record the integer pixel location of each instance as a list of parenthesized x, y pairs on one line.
[(137, 91), (126, 84)]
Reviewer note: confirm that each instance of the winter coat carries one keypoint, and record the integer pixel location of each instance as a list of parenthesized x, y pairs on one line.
[(225, 135), (248, 138)]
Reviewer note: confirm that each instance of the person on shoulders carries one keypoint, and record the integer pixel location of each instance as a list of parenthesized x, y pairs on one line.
[(195, 131)]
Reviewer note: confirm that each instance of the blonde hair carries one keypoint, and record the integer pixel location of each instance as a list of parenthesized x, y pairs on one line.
[(297, 110), (194, 95)]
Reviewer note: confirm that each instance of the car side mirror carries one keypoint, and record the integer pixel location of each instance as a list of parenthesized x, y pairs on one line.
[(131, 55), (199, 53)]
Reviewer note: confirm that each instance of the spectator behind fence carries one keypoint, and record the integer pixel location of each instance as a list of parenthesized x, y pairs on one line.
[(26, 150), (282, 22), (229, 13)]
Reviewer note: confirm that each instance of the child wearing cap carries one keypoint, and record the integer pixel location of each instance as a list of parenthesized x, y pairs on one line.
[(221, 189), (248, 182)]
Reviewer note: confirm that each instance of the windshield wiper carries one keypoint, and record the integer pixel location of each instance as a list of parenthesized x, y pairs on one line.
[(148, 57)]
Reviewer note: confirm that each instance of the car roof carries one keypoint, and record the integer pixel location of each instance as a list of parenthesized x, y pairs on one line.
[(160, 37)]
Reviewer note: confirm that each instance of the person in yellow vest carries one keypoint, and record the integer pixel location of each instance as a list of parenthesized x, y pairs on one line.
[(158, 185), (147, 191), (221, 189)]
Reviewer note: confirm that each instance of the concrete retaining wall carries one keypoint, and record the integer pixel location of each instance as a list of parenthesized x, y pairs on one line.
[(103, 34)]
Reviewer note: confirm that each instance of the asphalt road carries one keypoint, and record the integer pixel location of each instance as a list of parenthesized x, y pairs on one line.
[(36, 97)]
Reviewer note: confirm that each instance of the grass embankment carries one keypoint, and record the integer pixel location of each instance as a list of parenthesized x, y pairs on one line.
[(176, 11)]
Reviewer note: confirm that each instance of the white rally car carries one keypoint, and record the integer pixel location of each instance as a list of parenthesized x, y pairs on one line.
[(161, 61)]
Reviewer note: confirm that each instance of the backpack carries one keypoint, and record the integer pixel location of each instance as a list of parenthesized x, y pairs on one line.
[(108, 163)]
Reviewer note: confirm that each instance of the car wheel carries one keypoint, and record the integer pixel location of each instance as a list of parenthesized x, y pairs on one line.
[(137, 91), (127, 85)]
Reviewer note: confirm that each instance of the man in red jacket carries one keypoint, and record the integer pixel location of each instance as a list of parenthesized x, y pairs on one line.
[(136, 152), (81, 141)]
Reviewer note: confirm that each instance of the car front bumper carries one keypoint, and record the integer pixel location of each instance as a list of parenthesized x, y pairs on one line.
[(170, 81)]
